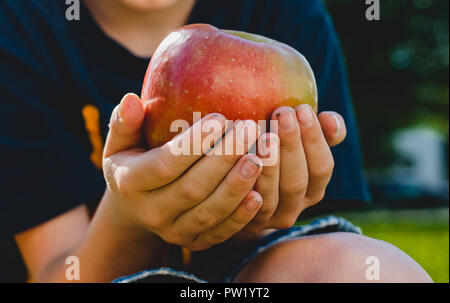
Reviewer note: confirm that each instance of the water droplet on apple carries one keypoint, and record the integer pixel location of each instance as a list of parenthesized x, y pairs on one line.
[(186, 91), (233, 59)]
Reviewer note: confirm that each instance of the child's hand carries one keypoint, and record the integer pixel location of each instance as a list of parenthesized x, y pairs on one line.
[(304, 169), (188, 200)]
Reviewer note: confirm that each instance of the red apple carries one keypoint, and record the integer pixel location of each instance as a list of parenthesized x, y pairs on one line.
[(200, 68)]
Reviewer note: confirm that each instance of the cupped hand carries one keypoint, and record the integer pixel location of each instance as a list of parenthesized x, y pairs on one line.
[(305, 164), (191, 200)]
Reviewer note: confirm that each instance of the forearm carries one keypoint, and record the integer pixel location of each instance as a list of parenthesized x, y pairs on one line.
[(110, 248)]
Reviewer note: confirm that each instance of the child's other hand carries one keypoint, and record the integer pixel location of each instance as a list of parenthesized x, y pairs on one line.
[(304, 169), (188, 200)]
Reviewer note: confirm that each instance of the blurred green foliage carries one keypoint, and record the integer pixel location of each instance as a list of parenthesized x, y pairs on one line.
[(423, 234), (398, 69)]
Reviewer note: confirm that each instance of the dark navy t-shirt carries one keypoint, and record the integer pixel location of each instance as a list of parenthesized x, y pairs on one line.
[(60, 80)]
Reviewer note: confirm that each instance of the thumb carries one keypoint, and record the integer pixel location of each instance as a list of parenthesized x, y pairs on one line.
[(125, 127), (333, 127)]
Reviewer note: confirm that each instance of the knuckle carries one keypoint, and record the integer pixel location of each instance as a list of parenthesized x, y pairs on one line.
[(235, 188), (192, 190), (205, 218), (291, 141), (233, 192), (162, 169), (294, 187), (324, 170), (239, 220)]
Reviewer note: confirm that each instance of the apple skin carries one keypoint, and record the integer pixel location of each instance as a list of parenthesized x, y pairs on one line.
[(199, 68)]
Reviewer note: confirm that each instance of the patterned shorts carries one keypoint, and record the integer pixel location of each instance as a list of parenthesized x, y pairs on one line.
[(320, 226)]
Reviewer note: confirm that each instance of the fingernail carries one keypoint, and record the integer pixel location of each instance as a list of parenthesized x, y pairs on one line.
[(286, 118), (250, 167), (120, 108), (118, 114), (248, 127), (306, 115), (253, 203), (338, 123), (270, 139)]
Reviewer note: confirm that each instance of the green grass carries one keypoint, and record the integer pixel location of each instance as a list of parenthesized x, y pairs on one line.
[(423, 234)]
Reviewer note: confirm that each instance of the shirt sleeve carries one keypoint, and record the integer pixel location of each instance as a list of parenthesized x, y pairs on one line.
[(314, 36), (45, 171)]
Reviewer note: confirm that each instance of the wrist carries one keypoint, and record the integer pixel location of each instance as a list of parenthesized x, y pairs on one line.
[(123, 222), (137, 246)]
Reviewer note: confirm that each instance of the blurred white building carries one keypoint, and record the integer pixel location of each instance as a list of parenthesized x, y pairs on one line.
[(423, 162)]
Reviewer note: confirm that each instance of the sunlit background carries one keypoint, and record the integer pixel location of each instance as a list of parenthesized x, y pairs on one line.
[(398, 69)]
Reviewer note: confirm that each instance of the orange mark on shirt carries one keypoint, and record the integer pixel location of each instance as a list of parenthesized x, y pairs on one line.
[(91, 117), (186, 256)]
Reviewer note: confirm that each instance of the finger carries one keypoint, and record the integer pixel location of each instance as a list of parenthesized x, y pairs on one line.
[(246, 210), (204, 177), (333, 127), (267, 183), (125, 125), (162, 165), (318, 154), (224, 200), (293, 168)]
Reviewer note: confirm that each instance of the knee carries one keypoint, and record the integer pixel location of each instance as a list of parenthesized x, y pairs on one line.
[(359, 258), (336, 257)]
